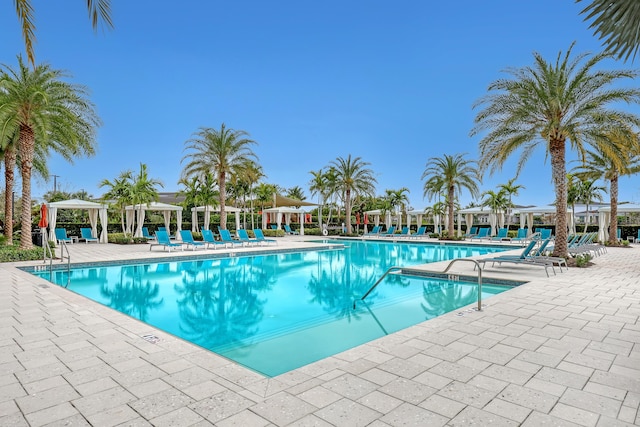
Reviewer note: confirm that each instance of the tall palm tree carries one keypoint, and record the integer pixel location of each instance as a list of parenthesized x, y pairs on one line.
[(449, 175), (144, 191), (397, 200), (318, 187), (497, 201), (510, 189), (218, 151), (119, 192), (588, 192), (264, 194), (8, 154), (597, 165), (573, 195), (99, 10), (353, 177), (296, 193), (252, 173), (45, 110), (616, 21), (549, 104)]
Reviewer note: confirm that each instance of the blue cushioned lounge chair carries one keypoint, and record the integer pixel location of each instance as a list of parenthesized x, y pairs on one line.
[(243, 236), (471, 233), (209, 240), (85, 234), (187, 239), (162, 239), (523, 258), (288, 230), (503, 233), (225, 236), (375, 231), (61, 235), (260, 237), (483, 233)]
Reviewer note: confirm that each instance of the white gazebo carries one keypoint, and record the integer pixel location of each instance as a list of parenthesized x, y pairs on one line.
[(418, 214), (285, 211), (469, 214), (96, 211), (208, 210), (140, 209), (526, 216), (604, 218), (376, 214)]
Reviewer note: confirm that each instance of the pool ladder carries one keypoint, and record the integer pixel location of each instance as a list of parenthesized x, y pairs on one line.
[(452, 277), (48, 255)]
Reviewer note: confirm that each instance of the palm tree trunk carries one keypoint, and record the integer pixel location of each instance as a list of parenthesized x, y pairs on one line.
[(450, 195), (26, 145), (9, 177), (223, 200), (558, 170), (586, 217), (614, 211), (347, 208)]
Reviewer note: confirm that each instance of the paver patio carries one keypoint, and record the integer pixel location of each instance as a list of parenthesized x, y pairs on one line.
[(562, 351)]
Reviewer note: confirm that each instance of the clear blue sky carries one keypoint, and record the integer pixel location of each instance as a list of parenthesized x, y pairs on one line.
[(391, 82)]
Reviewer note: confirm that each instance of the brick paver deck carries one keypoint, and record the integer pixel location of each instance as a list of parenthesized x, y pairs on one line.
[(558, 351)]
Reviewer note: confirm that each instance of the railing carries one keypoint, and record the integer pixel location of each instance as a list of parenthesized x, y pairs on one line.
[(451, 277), (63, 248)]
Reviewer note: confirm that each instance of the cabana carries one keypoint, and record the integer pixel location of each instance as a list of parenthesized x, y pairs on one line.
[(418, 214), (376, 214), (165, 208), (604, 218), (285, 211), (468, 217), (96, 211), (208, 210), (526, 216)]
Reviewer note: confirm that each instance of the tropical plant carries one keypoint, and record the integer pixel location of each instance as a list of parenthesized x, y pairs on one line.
[(353, 177), (143, 192), (449, 175), (47, 114), (296, 193), (510, 189), (99, 10), (396, 202), (616, 21), (218, 151), (549, 104), (573, 195), (317, 187), (497, 201), (610, 168), (252, 173)]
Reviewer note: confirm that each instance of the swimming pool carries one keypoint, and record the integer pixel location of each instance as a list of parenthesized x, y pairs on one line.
[(279, 311)]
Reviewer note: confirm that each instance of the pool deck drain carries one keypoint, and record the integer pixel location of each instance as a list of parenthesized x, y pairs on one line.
[(563, 350)]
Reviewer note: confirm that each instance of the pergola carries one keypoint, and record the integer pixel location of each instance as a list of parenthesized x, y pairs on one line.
[(470, 212), (96, 211), (208, 210), (285, 211), (165, 208), (604, 218), (376, 214)]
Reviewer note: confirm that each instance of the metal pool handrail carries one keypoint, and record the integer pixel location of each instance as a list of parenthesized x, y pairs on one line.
[(391, 269)]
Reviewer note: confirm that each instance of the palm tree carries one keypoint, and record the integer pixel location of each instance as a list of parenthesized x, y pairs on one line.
[(296, 193), (119, 192), (573, 195), (219, 151), (8, 153), (510, 189), (597, 165), (397, 200), (318, 187), (449, 175), (352, 178), (548, 104), (143, 192), (98, 10), (587, 193), (496, 201), (616, 21), (264, 194), (46, 111), (252, 174), (199, 191)]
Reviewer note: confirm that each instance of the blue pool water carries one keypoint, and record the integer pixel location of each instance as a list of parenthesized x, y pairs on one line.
[(279, 311)]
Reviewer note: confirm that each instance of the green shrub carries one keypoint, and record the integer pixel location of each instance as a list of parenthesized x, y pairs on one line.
[(125, 239), (583, 260), (10, 253)]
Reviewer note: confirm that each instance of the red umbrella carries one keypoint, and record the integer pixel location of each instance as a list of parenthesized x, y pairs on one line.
[(366, 219), (358, 218), (44, 223)]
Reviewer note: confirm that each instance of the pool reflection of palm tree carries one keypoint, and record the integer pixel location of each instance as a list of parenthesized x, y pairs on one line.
[(443, 298), (222, 307), (132, 295)]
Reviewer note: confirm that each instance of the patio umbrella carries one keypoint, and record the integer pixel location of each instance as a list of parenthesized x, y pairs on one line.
[(44, 223)]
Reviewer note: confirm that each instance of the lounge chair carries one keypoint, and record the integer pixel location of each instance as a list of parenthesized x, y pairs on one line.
[(145, 234), (243, 236), (162, 239), (503, 234), (523, 258), (289, 231), (187, 239), (545, 233), (405, 232), (521, 236), (471, 233), (421, 232), (61, 236), (85, 234), (225, 236), (274, 227), (260, 237), (391, 231), (209, 240), (375, 231), (483, 233)]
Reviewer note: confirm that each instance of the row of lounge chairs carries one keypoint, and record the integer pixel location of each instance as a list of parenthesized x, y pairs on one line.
[(376, 231), (162, 239), (85, 234)]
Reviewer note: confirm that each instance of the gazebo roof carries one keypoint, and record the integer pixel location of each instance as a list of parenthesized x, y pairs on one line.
[(155, 206), (76, 204)]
